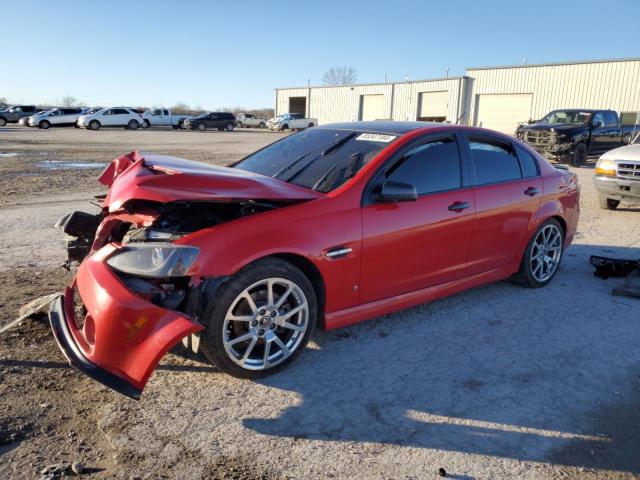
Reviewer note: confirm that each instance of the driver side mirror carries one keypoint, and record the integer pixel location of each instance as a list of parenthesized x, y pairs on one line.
[(392, 191)]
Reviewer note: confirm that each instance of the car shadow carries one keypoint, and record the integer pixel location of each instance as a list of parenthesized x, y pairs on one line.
[(547, 375)]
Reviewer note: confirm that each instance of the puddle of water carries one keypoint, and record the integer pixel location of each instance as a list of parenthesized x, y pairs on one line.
[(8, 154), (62, 165)]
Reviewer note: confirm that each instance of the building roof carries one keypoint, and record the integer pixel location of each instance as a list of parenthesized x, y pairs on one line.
[(403, 82), (381, 126), (556, 64)]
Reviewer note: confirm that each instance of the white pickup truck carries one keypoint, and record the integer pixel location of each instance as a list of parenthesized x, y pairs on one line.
[(155, 117), (291, 121), (250, 120)]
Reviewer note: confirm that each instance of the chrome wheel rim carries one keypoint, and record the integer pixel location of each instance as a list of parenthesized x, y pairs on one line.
[(201, 127), (546, 252), (265, 324)]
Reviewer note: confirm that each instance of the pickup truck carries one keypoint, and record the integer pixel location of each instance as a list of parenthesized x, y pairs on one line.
[(617, 175), (250, 120), (155, 117), (571, 135), (15, 113), (291, 121)]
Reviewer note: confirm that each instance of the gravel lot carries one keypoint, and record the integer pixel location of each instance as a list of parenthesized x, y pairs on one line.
[(497, 382)]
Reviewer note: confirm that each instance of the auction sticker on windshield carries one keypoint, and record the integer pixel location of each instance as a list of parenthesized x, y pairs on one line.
[(375, 137)]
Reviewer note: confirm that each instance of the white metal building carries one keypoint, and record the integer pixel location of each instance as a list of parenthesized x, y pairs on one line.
[(491, 97)]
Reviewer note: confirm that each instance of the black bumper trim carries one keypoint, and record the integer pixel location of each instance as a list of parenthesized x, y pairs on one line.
[(76, 359)]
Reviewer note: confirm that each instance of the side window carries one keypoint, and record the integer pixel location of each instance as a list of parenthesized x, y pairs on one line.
[(165, 112), (29, 109), (610, 119), (431, 167), (598, 118), (528, 163), (156, 113), (107, 112), (494, 161), (213, 116), (119, 111)]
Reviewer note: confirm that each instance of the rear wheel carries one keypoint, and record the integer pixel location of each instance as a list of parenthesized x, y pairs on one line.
[(229, 127), (133, 125), (94, 125), (239, 124), (543, 255), (261, 320), (44, 124), (579, 155), (3, 122), (262, 125), (607, 203)]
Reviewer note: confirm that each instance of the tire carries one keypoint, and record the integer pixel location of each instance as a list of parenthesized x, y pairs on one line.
[(579, 155), (239, 124), (75, 125), (285, 127), (607, 203), (94, 125), (44, 124), (229, 127), (311, 125), (3, 121), (530, 273), (201, 127), (259, 327), (146, 123), (133, 125), (175, 127), (262, 125)]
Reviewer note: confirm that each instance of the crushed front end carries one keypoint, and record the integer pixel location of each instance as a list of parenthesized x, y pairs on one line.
[(548, 142)]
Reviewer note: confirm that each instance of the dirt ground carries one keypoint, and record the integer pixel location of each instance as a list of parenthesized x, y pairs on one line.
[(497, 382)]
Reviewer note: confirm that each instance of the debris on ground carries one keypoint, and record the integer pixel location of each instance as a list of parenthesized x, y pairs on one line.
[(617, 268)]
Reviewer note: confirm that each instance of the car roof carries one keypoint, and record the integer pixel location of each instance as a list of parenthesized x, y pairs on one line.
[(383, 126)]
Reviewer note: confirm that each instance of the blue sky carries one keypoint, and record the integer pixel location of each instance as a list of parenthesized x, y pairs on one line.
[(225, 54)]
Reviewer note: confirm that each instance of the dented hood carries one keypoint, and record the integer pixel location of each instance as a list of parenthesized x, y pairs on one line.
[(148, 176)]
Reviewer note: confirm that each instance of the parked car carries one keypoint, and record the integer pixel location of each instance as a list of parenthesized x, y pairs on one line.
[(15, 113), (291, 121), (111, 117), (250, 120), (162, 117), (328, 227), (56, 117), (218, 120), (570, 136), (617, 175)]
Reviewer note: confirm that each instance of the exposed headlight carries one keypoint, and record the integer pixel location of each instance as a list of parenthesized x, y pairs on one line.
[(606, 166), (154, 260)]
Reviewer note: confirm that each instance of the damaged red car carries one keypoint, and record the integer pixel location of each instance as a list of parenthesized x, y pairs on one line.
[(324, 228)]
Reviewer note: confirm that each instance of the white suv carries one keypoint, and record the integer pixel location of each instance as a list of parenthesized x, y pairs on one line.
[(111, 117), (56, 117)]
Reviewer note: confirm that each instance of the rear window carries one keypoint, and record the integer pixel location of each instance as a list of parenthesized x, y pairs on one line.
[(494, 161)]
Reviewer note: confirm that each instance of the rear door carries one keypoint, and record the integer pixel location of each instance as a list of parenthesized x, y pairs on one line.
[(412, 245), (507, 190), (599, 134), (120, 116)]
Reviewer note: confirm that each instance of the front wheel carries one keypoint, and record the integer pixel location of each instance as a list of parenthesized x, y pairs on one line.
[(133, 125), (94, 125), (201, 127), (3, 122), (229, 127), (543, 255), (607, 203), (261, 320), (262, 125), (239, 124), (579, 155), (146, 124), (44, 124)]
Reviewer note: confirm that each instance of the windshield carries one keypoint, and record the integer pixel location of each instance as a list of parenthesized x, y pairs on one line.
[(319, 159), (567, 117)]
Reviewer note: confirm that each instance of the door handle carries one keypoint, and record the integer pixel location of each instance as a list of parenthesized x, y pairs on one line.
[(458, 206), (531, 191)]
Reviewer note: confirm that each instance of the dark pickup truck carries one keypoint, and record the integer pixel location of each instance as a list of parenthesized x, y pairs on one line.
[(570, 136), (15, 113)]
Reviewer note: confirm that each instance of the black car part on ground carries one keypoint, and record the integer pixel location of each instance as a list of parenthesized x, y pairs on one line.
[(615, 268), (80, 228)]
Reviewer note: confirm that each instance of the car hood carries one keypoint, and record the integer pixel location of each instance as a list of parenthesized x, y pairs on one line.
[(628, 152), (548, 126), (148, 176)]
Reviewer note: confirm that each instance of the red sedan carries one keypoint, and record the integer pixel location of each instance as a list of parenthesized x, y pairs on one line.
[(327, 227)]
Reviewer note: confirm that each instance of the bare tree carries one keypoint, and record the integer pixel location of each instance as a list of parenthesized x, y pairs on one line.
[(68, 101), (340, 76), (3, 101)]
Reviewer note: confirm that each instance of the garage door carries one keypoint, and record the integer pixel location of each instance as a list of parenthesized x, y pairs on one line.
[(372, 107), (433, 106), (503, 112)]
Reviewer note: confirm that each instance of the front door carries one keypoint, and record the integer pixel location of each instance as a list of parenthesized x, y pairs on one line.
[(412, 245)]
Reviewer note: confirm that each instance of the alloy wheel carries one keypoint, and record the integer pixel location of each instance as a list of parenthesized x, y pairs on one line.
[(265, 324), (546, 252)]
